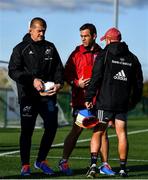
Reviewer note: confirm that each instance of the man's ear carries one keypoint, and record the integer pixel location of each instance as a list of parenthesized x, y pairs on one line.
[(94, 37), (29, 30)]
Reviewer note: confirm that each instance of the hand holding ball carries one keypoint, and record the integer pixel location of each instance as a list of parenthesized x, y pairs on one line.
[(47, 87)]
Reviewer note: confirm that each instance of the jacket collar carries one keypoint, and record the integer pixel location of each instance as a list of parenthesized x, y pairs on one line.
[(95, 49)]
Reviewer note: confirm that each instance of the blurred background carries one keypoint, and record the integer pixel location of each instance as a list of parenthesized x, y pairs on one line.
[(64, 18)]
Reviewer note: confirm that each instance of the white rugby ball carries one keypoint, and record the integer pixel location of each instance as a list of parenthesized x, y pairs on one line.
[(48, 85)]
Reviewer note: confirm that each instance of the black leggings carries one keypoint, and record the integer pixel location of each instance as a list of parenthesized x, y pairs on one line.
[(29, 111)]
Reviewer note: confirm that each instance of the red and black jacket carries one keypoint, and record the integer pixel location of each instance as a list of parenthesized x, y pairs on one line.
[(79, 58)]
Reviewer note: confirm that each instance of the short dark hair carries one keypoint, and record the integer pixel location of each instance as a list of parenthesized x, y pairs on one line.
[(40, 20), (89, 26)]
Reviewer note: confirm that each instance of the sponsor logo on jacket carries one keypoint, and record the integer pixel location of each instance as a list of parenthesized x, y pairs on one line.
[(120, 76), (27, 111), (122, 62), (31, 52)]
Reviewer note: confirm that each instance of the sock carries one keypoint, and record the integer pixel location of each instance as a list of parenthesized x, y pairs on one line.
[(63, 161), (104, 163), (123, 164), (94, 157)]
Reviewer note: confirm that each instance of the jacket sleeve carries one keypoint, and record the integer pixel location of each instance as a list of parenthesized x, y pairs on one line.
[(137, 88), (59, 69), (70, 73), (96, 79), (16, 69)]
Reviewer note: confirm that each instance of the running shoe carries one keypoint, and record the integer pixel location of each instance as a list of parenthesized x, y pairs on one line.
[(64, 168), (43, 165), (123, 173), (25, 171), (91, 173), (106, 169)]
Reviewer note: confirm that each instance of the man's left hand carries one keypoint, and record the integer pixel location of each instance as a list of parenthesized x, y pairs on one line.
[(51, 91)]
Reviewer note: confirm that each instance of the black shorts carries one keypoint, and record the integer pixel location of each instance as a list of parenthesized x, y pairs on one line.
[(106, 116)]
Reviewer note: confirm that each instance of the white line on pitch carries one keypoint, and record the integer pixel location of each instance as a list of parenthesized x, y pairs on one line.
[(84, 158), (79, 141)]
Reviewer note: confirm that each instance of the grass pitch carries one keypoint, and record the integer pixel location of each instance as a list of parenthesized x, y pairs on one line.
[(80, 158)]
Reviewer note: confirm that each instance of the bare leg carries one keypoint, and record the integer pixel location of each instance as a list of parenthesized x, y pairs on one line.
[(96, 139), (121, 131), (71, 140), (95, 146), (105, 168), (104, 151), (95, 143)]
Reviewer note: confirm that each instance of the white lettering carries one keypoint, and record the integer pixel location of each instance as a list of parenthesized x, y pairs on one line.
[(122, 63)]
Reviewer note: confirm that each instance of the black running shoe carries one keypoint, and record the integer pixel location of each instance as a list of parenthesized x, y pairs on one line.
[(123, 173), (91, 172)]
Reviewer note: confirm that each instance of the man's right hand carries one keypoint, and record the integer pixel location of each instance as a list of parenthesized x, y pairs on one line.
[(89, 105), (38, 84), (83, 82)]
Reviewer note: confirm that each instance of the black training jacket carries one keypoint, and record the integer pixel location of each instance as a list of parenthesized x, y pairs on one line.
[(118, 76), (31, 60)]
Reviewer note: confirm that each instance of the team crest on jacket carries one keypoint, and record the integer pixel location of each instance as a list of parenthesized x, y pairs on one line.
[(48, 54)]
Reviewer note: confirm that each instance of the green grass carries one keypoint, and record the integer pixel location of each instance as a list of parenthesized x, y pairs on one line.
[(79, 161)]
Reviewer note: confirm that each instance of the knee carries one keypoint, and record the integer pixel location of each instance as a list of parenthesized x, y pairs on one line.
[(75, 133), (27, 132), (51, 126), (76, 130)]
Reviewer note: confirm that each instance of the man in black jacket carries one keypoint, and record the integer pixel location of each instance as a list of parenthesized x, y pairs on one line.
[(118, 75), (36, 67)]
